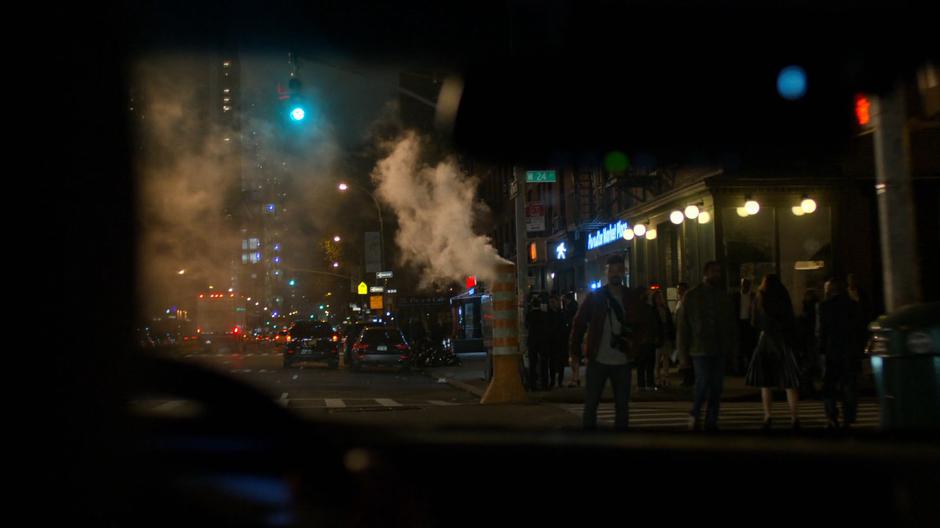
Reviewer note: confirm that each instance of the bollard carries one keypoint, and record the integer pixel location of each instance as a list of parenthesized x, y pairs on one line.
[(506, 385)]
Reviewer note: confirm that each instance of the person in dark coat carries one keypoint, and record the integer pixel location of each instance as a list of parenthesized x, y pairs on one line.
[(537, 329), (807, 351), (773, 363), (574, 360), (841, 334), (557, 345)]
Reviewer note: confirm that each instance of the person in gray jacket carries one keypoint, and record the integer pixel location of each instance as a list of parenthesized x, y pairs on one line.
[(706, 335)]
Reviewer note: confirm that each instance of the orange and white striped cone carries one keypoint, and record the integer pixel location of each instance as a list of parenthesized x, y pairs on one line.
[(506, 385)]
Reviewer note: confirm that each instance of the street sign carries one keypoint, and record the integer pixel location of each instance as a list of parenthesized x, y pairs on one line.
[(375, 302), (363, 288), (535, 217), (377, 289), (546, 176), (384, 275)]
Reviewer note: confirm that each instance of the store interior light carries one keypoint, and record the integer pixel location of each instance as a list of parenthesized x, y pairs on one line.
[(751, 206), (651, 234), (808, 205), (676, 217), (742, 212), (704, 217), (628, 234), (691, 212), (798, 211), (639, 230)]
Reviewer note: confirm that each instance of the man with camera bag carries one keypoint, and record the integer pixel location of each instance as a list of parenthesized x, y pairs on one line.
[(617, 323)]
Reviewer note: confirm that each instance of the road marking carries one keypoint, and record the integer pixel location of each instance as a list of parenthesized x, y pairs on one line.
[(262, 371), (249, 354), (441, 402), (386, 402), (335, 403), (189, 355), (284, 401)]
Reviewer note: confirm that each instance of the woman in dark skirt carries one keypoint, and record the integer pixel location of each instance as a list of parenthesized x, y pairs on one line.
[(774, 363)]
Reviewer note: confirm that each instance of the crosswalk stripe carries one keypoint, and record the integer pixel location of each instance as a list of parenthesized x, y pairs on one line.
[(440, 402), (335, 403), (386, 402)]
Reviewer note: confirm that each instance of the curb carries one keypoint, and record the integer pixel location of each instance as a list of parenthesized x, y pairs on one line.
[(464, 387)]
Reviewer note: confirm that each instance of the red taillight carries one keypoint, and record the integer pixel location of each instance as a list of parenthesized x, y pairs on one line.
[(402, 347), (359, 347), (236, 330)]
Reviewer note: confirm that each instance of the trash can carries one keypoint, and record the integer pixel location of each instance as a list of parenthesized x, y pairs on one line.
[(905, 358)]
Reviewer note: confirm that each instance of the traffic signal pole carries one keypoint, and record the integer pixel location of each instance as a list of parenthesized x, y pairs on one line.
[(894, 190)]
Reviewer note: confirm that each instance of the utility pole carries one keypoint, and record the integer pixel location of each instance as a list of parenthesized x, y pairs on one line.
[(901, 272), (522, 270)]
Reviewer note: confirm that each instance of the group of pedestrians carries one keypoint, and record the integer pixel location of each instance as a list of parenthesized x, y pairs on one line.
[(548, 326), (751, 333)]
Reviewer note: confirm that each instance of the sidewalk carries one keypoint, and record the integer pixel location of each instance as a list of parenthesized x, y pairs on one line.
[(470, 377)]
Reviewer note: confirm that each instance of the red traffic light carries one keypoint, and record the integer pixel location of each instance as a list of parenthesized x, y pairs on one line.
[(862, 110)]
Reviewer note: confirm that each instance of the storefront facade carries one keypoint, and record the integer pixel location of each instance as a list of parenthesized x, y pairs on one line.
[(796, 228)]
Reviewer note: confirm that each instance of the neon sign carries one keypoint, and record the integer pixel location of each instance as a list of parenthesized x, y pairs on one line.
[(611, 233)]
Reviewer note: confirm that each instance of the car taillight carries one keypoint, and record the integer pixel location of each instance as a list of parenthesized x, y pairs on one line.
[(335, 338), (402, 347), (359, 347)]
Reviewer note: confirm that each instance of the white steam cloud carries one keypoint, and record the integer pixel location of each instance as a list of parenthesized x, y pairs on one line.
[(436, 209)]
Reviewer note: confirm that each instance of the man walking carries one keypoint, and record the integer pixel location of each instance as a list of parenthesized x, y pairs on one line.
[(840, 331), (707, 335), (616, 323), (558, 342)]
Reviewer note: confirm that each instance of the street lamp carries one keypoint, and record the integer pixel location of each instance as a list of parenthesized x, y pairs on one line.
[(751, 206), (181, 272), (343, 186), (336, 238), (335, 264)]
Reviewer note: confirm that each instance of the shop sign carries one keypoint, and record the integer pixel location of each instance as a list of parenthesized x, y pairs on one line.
[(607, 235)]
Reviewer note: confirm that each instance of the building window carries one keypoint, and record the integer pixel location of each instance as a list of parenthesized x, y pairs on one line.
[(749, 244), (805, 252)]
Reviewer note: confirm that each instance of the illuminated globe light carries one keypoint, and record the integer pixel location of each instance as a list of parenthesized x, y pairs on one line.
[(808, 205), (791, 83), (704, 217), (639, 229), (628, 234), (343, 187), (676, 217), (298, 114), (692, 212), (742, 212), (651, 234), (798, 211), (752, 207)]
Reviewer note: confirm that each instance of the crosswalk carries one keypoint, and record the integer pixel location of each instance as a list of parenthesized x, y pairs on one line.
[(178, 406), (733, 415)]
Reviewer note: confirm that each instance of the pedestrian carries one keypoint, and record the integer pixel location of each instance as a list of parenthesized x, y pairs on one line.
[(574, 360), (841, 335), (773, 363), (706, 335), (807, 347), (747, 337), (667, 343), (646, 362), (537, 328), (557, 342), (859, 295), (686, 369), (616, 323)]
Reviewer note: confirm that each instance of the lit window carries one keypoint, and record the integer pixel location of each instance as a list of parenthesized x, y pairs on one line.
[(226, 90)]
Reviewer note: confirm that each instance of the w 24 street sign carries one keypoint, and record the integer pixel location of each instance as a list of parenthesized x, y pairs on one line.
[(546, 176)]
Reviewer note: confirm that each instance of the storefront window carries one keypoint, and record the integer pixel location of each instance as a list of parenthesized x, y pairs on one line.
[(697, 247), (805, 252), (749, 245)]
